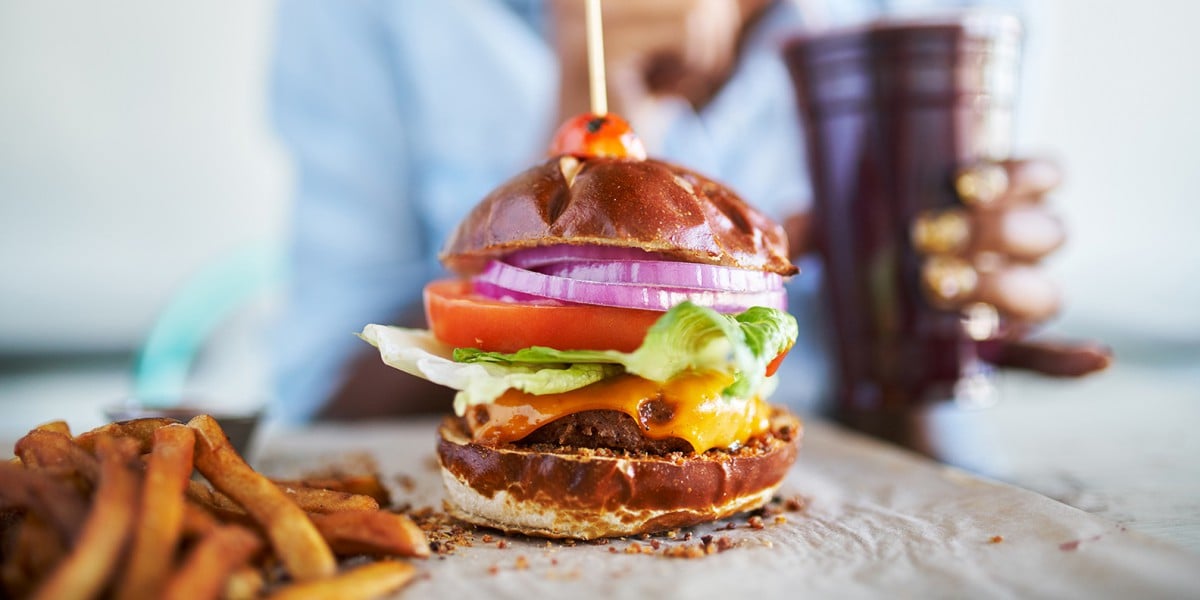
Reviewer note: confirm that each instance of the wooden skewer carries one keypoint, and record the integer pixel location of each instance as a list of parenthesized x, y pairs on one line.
[(595, 46)]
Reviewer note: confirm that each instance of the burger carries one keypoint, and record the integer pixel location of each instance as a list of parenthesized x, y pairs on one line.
[(612, 336)]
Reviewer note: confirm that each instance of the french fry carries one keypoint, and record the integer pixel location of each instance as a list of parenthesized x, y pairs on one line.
[(10, 517), (13, 580), (347, 532), (55, 427), (220, 505), (108, 511), (293, 536), (245, 583), (308, 499), (366, 485), (36, 548), (372, 532), (97, 551), (221, 552), (141, 430), (328, 501), (197, 521), (367, 581), (57, 453), (160, 522), (57, 503)]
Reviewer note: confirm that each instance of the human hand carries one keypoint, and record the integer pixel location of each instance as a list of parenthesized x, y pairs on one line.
[(679, 49), (982, 259), (988, 250)]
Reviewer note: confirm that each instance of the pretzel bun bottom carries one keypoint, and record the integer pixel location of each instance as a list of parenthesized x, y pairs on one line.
[(586, 494)]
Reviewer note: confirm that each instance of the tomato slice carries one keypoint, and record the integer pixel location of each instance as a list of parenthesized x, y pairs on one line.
[(460, 318), (773, 366)]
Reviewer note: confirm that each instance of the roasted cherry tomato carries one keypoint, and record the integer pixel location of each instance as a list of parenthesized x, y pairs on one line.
[(598, 136)]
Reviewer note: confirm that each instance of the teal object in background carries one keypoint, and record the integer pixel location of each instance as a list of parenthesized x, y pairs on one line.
[(165, 359)]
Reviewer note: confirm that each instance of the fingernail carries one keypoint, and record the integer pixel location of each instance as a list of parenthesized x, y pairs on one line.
[(1028, 292), (1040, 175), (1031, 232)]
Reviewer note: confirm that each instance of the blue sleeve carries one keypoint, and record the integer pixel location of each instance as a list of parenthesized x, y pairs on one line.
[(356, 247), (902, 6)]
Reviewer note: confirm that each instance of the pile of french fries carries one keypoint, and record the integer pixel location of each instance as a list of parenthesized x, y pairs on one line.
[(115, 512)]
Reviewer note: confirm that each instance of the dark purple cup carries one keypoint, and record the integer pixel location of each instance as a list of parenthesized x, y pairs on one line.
[(891, 112)]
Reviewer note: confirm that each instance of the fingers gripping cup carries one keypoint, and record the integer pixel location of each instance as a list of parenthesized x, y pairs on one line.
[(892, 113)]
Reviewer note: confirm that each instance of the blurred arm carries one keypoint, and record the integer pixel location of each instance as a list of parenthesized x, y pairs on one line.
[(356, 245)]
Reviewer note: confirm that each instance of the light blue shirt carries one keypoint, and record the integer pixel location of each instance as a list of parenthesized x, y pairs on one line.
[(401, 115)]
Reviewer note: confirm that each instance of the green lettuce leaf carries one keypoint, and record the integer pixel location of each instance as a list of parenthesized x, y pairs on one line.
[(685, 338), (417, 352)]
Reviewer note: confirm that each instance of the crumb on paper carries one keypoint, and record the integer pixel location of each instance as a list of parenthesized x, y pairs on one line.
[(492, 570), (406, 482), (444, 532), (487, 539), (502, 544), (522, 563), (687, 551), (996, 539), (755, 522), (670, 544), (780, 520), (432, 463), (1073, 545)]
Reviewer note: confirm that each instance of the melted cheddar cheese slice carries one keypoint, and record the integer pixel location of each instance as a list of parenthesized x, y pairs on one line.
[(689, 407)]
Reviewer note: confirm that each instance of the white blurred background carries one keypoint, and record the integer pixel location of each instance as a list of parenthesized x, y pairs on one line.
[(135, 148)]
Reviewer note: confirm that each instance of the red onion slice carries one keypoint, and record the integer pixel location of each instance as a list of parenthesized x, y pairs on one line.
[(533, 258), (625, 295), (667, 273), (495, 292)]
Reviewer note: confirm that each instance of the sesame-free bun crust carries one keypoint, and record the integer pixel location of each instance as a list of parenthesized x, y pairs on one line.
[(646, 204), (587, 494)]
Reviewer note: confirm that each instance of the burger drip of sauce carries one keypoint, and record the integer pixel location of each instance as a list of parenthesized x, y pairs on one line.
[(689, 407)]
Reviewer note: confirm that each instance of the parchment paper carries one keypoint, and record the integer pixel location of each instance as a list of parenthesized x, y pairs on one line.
[(877, 522)]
